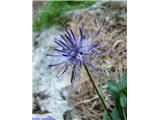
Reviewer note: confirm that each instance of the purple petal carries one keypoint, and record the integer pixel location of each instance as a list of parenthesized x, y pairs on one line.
[(82, 26), (81, 31), (94, 46), (73, 36), (94, 36), (56, 64), (70, 40), (66, 54), (81, 37), (58, 50), (53, 55), (102, 52), (68, 33), (63, 71), (81, 34), (61, 51), (60, 43), (66, 40)]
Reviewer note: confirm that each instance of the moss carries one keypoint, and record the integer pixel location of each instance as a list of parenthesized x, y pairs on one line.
[(54, 13)]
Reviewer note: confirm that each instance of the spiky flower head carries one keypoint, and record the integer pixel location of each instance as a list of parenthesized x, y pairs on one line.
[(76, 50)]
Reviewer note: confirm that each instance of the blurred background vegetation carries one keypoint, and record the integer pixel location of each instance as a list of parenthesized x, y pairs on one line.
[(54, 13)]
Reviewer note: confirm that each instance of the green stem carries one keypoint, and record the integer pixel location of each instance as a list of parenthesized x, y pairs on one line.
[(125, 118), (100, 97)]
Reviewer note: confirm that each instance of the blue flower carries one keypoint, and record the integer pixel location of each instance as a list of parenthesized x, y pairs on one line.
[(76, 50)]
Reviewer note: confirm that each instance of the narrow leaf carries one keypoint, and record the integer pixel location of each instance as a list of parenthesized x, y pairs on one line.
[(112, 86), (115, 114), (123, 100), (105, 116)]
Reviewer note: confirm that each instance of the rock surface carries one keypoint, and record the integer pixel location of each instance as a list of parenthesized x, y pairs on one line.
[(45, 81)]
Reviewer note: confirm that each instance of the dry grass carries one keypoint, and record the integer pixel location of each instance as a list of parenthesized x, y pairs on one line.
[(112, 18)]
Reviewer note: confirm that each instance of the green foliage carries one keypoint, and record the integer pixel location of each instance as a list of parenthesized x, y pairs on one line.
[(113, 88), (118, 92), (123, 100), (54, 13), (105, 116), (115, 114)]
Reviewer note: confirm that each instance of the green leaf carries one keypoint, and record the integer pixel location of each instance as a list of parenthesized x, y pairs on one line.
[(123, 100), (112, 86), (122, 77), (105, 116), (122, 85), (123, 81), (115, 114)]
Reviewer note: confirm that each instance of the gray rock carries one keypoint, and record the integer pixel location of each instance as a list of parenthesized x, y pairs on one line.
[(44, 79)]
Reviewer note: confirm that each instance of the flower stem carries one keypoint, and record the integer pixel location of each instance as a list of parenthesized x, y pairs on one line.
[(124, 114), (100, 97)]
